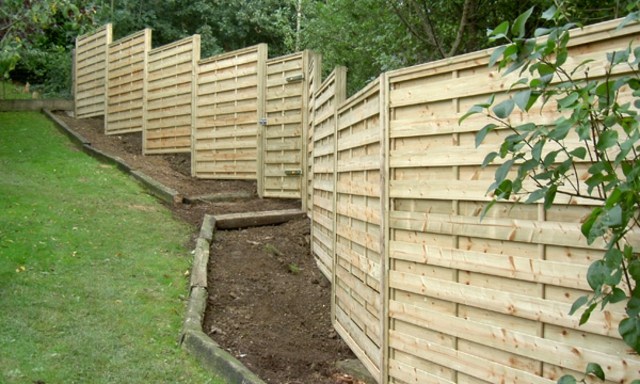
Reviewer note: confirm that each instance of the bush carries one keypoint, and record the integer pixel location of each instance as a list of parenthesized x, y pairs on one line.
[(48, 71)]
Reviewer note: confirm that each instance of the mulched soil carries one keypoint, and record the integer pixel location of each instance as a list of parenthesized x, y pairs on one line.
[(269, 305)]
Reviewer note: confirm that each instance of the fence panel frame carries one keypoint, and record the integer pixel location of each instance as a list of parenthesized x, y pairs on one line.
[(330, 94), (130, 102), (163, 131), (211, 83), (286, 111), (357, 293), (90, 60), (313, 77), (537, 330)]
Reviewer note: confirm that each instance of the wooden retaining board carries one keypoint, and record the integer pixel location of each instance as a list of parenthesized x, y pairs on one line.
[(90, 72), (170, 92), (358, 284), (487, 301), (330, 94), (282, 130), (126, 74), (229, 105)]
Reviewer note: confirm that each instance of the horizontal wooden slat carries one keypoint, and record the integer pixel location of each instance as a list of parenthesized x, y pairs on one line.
[(505, 302)]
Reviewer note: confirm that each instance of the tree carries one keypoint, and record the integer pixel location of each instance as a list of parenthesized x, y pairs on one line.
[(542, 162), (223, 25), (36, 37), (365, 36)]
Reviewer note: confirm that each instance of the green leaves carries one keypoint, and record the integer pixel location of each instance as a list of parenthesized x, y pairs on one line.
[(483, 133), (595, 370), (593, 129), (629, 329), (518, 28), (503, 109)]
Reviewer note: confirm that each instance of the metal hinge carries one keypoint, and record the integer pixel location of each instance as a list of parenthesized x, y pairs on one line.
[(293, 172), (295, 78), (262, 121)]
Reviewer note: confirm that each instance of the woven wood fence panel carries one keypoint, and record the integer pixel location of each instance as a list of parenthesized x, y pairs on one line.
[(286, 115), (126, 74), (314, 78), (358, 267), (170, 92), (90, 69), (230, 102), (331, 93), (484, 301)]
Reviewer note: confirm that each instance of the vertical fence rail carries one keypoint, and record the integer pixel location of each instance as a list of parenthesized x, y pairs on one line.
[(322, 206), (126, 81), (91, 72), (170, 92), (314, 79)]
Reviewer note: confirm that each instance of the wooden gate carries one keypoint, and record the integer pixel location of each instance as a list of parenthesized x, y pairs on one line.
[(282, 126)]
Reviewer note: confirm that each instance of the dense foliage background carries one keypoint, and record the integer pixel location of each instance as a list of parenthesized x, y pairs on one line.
[(367, 36)]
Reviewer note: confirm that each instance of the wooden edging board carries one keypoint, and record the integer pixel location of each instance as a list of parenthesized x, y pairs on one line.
[(192, 337)]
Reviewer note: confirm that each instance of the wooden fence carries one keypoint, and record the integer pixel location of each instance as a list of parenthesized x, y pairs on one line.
[(423, 290), (230, 103), (485, 301), (90, 72), (323, 161), (285, 119), (126, 83), (359, 233), (313, 76), (170, 93), (426, 292)]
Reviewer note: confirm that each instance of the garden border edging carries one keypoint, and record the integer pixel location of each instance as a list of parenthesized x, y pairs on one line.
[(162, 192), (192, 337)]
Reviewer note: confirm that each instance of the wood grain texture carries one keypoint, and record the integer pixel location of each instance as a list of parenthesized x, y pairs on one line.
[(230, 102), (90, 72), (170, 97), (126, 86)]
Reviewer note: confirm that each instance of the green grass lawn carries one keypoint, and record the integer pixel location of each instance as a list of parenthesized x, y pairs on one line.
[(92, 268), (10, 91)]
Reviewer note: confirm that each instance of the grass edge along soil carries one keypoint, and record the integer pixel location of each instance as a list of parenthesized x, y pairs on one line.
[(91, 274)]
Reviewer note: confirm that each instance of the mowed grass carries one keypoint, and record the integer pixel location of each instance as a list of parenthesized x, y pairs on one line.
[(92, 268)]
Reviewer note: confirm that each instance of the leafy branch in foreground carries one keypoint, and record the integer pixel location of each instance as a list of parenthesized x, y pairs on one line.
[(590, 152)]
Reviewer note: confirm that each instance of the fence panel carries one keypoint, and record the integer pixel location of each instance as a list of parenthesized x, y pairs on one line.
[(359, 245), (286, 115), (170, 92), (313, 77), (487, 301), (230, 102), (322, 206), (126, 75), (91, 72)]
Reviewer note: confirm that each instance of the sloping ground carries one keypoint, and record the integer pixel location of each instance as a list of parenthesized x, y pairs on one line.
[(91, 268), (269, 304)]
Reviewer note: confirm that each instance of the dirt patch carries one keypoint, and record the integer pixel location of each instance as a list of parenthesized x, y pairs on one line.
[(269, 305)]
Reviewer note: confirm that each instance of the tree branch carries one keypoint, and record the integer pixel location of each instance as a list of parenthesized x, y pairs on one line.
[(464, 21)]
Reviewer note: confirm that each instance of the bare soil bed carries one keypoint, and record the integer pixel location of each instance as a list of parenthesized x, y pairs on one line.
[(269, 305)]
